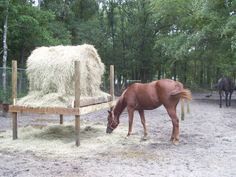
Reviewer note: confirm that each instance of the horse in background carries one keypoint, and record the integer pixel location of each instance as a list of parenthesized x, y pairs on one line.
[(225, 85), (149, 96)]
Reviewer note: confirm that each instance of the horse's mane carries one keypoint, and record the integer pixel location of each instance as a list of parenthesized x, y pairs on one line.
[(120, 106), (129, 85)]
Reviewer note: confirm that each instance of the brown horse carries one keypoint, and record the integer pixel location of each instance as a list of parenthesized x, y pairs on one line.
[(149, 96)]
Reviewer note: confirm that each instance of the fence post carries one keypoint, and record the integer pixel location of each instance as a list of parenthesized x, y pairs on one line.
[(14, 96), (61, 118), (77, 102), (14, 81)]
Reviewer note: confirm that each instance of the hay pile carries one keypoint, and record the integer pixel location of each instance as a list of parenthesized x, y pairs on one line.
[(50, 71)]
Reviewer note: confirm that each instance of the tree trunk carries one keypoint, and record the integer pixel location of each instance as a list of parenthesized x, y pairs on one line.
[(174, 71), (4, 59), (185, 72), (111, 21), (39, 4), (201, 72)]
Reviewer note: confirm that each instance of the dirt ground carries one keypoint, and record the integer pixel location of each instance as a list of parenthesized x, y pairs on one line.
[(44, 148)]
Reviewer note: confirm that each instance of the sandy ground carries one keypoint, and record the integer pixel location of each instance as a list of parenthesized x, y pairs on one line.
[(207, 145)]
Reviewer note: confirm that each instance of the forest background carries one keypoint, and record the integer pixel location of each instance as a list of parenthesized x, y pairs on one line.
[(193, 41)]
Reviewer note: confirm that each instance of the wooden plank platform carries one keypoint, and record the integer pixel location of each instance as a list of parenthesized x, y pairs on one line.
[(43, 110), (61, 110), (96, 107)]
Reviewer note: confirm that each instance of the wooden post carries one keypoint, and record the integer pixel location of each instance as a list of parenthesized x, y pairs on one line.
[(61, 118), (14, 125), (14, 81), (77, 102), (112, 90), (14, 96)]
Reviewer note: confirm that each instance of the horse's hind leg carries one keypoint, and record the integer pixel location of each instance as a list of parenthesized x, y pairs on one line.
[(141, 113), (230, 95), (226, 99), (175, 121)]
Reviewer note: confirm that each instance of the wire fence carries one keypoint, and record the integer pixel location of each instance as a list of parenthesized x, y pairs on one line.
[(22, 84)]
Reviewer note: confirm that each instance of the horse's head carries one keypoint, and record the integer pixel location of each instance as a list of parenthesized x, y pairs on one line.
[(111, 122)]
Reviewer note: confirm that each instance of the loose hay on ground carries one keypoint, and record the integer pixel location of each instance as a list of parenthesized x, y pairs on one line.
[(59, 139)]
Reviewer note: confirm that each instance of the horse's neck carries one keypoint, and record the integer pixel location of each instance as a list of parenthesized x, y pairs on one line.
[(119, 107)]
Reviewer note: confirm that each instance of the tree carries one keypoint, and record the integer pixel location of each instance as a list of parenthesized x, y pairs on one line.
[(189, 34), (5, 5), (31, 27)]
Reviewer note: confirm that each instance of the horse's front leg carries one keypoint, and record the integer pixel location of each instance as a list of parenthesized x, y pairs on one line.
[(141, 113), (131, 117), (220, 93)]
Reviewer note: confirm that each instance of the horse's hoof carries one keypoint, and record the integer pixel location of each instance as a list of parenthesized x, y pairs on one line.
[(175, 142), (144, 138), (127, 136)]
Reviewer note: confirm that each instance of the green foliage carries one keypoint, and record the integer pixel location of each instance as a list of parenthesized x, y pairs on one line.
[(5, 97), (192, 40), (85, 9), (198, 33), (30, 27)]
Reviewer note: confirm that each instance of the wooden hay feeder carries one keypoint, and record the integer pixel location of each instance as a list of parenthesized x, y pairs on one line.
[(77, 110)]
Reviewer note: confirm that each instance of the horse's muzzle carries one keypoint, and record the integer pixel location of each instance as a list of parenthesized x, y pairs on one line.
[(109, 130)]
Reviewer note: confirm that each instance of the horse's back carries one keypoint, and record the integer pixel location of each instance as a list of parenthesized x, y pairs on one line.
[(152, 95), (225, 84), (168, 86), (143, 96), (165, 87)]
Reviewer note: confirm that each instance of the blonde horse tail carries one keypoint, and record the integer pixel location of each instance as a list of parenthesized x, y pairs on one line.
[(185, 94)]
